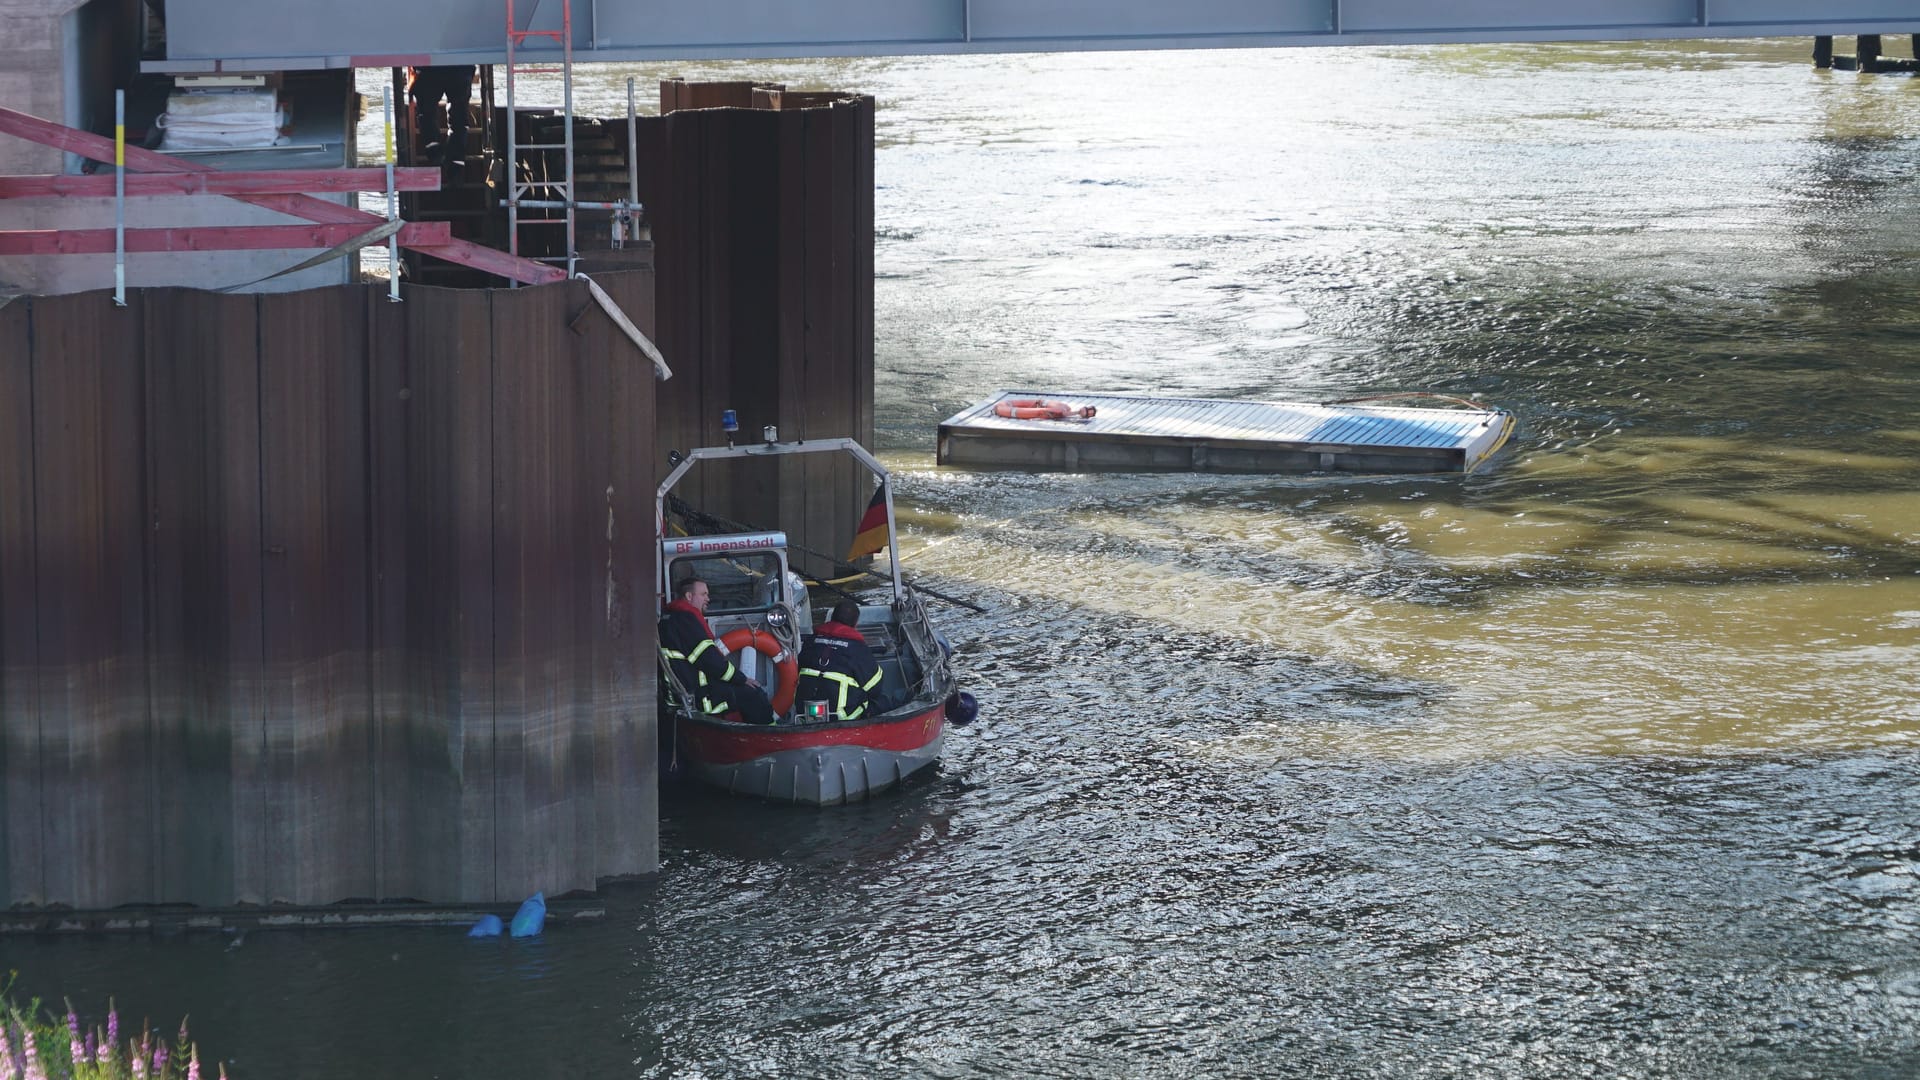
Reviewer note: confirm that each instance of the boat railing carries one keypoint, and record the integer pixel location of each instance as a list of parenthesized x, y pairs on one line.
[(917, 629), (773, 448)]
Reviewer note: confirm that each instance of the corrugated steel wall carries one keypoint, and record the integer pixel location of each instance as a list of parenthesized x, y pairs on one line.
[(763, 233), (308, 597)]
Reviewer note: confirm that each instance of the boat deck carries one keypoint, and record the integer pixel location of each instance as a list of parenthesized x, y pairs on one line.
[(1132, 433)]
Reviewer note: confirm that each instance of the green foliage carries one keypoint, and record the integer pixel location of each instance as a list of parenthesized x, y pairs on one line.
[(38, 1044)]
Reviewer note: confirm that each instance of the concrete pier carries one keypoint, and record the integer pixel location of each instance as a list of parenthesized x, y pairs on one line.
[(51, 54)]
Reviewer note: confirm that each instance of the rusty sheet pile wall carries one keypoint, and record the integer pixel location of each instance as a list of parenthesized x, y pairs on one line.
[(310, 597), (762, 203)]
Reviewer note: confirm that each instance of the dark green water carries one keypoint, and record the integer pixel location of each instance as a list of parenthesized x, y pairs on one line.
[(1599, 762)]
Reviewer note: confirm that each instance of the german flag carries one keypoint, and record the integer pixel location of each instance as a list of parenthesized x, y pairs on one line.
[(871, 535)]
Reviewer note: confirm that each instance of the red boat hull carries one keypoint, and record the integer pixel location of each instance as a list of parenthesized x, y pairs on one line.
[(819, 764)]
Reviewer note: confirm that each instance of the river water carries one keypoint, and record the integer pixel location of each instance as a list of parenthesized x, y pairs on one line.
[(1599, 762)]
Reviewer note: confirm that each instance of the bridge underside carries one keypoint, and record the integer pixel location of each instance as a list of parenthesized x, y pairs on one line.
[(207, 35)]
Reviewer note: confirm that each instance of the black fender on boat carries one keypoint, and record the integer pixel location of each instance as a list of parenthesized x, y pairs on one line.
[(961, 708)]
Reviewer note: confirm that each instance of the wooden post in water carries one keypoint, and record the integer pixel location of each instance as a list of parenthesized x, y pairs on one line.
[(1867, 51), (1823, 52)]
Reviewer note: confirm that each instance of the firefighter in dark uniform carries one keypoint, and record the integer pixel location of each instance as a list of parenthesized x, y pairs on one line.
[(429, 85), (837, 667), (701, 665)]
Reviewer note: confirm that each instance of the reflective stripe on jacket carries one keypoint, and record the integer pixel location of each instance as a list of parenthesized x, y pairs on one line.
[(695, 657), (837, 667)]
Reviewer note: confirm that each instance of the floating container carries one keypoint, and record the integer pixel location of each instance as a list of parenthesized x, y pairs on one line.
[(1132, 433)]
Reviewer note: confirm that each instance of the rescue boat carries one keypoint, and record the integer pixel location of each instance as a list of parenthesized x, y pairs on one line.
[(760, 609)]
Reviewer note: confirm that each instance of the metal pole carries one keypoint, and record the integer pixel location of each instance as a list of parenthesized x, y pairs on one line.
[(513, 150), (120, 198), (566, 80), (393, 204), (633, 168)]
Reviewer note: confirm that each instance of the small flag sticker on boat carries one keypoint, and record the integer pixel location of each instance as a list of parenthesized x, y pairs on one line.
[(871, 535)]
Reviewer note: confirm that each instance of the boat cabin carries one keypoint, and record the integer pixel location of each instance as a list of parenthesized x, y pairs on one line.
[(751, 587)]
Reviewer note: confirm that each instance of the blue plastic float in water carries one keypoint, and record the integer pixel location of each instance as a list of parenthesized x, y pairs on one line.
[(532, 916)]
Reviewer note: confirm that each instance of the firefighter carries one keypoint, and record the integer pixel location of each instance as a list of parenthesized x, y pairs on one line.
[(428, 86), (837, 667), (700, 663)]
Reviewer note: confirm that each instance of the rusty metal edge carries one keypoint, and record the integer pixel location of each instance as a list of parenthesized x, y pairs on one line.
[(169, 921)]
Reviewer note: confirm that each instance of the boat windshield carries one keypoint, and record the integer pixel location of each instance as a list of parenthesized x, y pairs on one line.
[(736, 582)]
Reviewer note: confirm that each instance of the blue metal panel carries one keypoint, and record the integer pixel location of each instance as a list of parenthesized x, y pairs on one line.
[(1424, 16), (281, 35), (1010, 20), (1739, 12), (733, 23)]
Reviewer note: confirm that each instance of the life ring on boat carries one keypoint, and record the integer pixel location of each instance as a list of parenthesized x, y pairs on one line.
[(1040, 409), (786, 666)]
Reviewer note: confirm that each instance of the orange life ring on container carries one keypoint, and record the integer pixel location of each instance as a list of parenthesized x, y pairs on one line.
[(1039, 409), (786, 666)]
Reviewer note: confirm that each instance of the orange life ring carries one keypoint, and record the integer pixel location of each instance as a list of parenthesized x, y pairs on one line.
[(786, 666), (1039, 409)]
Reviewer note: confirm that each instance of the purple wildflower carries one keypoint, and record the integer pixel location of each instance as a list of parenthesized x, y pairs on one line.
[(193, 1064), (9, 1065), (102, 1052), (75, 1044), (34, 1069), (160, 1059), (113, 1024), (139, 1066)]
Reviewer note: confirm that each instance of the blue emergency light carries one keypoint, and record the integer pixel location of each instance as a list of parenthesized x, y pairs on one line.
[(729, 421)]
